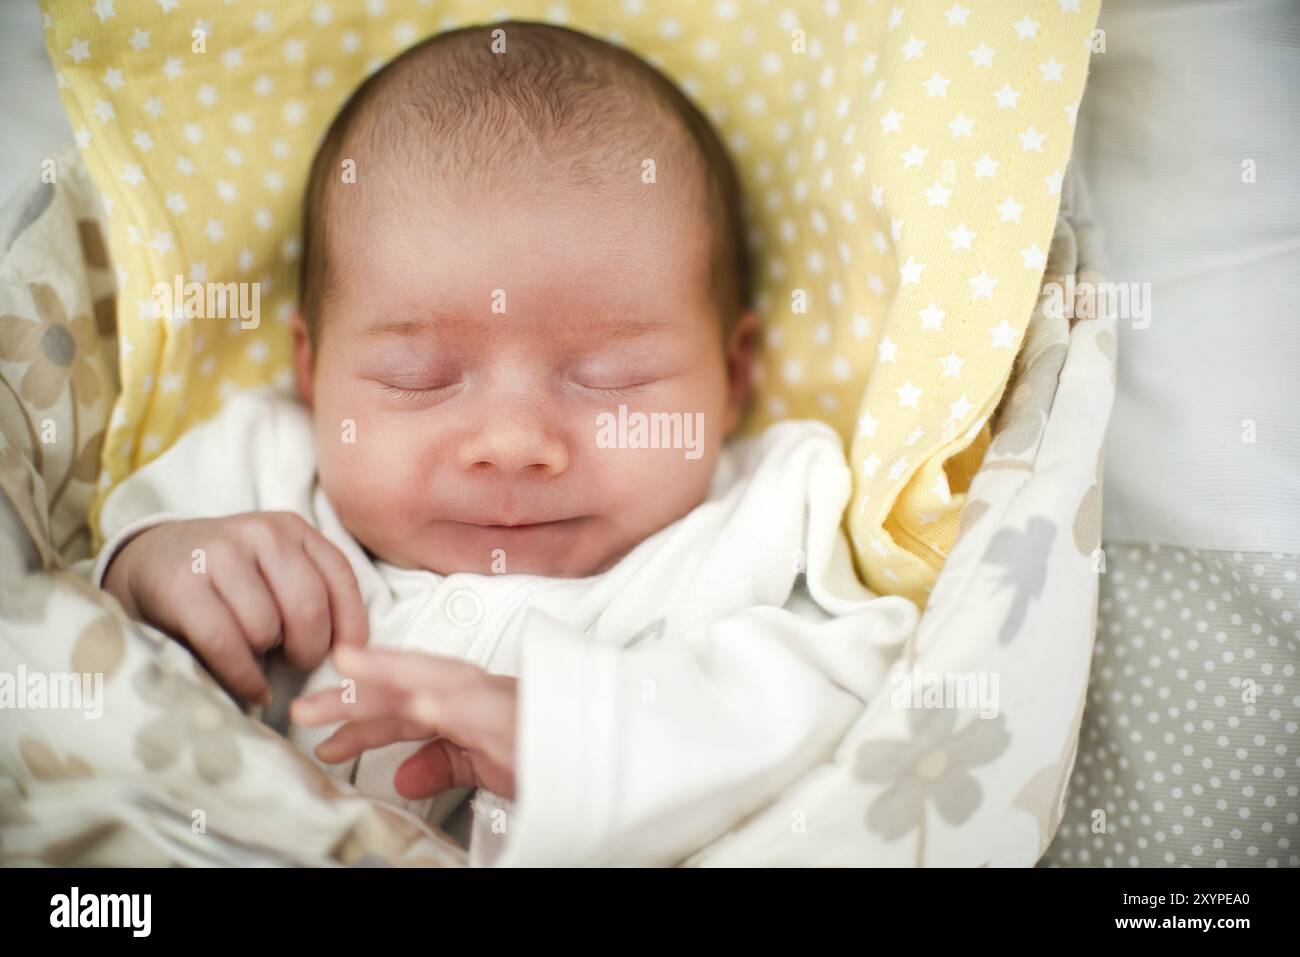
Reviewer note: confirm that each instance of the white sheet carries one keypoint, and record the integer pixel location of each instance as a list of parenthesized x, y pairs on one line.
[(1185, 92), (32, 122)]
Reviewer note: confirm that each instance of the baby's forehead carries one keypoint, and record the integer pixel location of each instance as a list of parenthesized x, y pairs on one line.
[(634, 152), (641, 177), (541, 249)]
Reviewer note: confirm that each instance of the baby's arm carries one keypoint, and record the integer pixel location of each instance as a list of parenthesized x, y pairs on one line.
[(642, 756)]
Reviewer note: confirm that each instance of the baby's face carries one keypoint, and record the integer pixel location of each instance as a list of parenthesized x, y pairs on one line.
[(465, 359)]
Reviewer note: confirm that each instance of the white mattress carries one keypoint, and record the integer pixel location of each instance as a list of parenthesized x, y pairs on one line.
[(32, 122), (1185, 92)]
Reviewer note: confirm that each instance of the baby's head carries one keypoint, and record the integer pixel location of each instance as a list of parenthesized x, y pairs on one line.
[(508, 234)]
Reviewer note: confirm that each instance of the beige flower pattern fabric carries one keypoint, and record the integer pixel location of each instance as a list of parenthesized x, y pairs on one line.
[(58, 349), (53, 349), (932, 766)]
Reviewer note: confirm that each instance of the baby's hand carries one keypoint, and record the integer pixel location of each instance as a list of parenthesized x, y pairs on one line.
[(410, 696), (236, 587)]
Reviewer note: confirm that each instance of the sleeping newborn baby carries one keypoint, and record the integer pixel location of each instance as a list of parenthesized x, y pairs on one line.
[(498, 533)]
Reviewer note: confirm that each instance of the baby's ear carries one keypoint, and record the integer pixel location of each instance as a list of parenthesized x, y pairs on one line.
[(303, 367), (742, 348)]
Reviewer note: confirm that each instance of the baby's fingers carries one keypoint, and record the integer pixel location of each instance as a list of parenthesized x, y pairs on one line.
[(325, 707), (438, 766), (240, 585), (353, 700), (303, 601), (212, 632), (358, 736), (409, 672), (351, 626), (443, 695)]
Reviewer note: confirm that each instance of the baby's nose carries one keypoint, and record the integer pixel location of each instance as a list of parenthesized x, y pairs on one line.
[(514, 448)]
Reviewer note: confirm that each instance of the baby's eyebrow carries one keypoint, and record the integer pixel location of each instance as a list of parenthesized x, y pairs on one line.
[(587, 324), (405, 327), (621, 327)]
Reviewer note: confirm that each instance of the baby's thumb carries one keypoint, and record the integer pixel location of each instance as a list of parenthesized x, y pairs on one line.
[(440, 765)]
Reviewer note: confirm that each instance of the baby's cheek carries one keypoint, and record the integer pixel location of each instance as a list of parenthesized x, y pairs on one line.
[(361, 470), (656, 486)]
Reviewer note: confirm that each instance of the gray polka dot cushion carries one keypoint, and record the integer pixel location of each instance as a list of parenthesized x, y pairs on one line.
[(1188, 753)]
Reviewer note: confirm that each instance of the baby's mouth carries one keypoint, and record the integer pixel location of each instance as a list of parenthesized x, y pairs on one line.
[(515, 525)]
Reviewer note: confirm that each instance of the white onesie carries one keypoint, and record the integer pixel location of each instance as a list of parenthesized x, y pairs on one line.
[(661, 701)]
